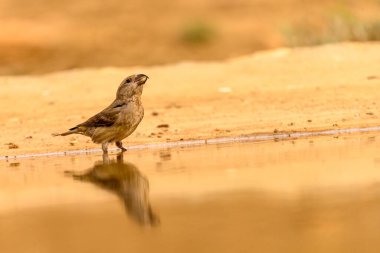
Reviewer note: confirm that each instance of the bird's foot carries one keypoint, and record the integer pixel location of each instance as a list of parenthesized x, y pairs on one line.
[(119, 144)]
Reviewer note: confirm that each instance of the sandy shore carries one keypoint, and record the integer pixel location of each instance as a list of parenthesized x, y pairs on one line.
[(285, 90)]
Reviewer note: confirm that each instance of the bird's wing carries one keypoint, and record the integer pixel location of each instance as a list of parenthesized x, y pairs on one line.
[(105, 118)]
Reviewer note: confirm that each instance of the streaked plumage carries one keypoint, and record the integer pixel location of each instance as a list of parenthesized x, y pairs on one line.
[(119, 119)]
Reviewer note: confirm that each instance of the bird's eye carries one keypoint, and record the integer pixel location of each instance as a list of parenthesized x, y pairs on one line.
[(128, 80)]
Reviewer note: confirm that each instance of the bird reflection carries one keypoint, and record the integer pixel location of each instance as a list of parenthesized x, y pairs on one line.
[(125, 180)]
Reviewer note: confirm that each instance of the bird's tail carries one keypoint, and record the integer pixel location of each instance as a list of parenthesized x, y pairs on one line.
[(73, 130)]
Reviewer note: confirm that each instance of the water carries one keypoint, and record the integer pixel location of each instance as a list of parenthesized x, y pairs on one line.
[(305, 195)]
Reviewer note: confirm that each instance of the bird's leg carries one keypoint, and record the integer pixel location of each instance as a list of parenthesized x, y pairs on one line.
[(105, 147), (119, 144)]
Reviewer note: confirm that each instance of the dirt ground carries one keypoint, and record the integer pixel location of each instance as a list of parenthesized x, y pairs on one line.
[(305, 89), (49, 35)]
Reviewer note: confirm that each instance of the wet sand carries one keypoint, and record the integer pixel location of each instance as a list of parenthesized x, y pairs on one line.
[(312, 195), (285, 90)]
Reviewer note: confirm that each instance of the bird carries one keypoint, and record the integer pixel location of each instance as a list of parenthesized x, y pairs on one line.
[(119, 119)]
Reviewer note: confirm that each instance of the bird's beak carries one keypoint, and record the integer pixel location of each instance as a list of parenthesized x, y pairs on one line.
[(141, 79)]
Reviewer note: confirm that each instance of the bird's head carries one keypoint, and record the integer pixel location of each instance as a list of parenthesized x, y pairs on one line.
[(131, 86)]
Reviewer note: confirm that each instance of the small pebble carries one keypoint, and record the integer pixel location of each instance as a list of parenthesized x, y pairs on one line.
[(154, 113), (224, 89), (11, 145), (163, 126)]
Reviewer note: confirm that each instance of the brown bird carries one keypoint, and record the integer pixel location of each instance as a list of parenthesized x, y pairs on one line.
[(119, 119)]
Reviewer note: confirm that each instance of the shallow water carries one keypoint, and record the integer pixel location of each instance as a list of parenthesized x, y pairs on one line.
[(305, 195)]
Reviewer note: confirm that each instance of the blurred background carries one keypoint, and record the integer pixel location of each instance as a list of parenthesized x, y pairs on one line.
[(42, 36)]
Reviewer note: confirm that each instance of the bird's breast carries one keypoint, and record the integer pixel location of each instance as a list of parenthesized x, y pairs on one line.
[(131, 115), (129, 119)]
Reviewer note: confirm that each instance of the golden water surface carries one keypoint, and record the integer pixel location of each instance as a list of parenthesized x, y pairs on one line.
[(305, 195)]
